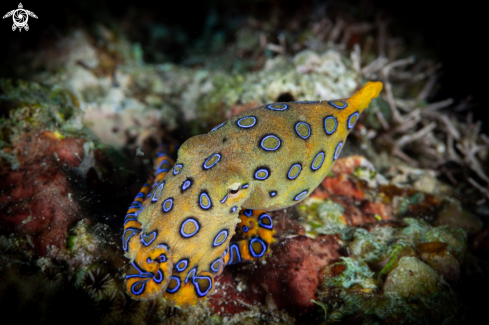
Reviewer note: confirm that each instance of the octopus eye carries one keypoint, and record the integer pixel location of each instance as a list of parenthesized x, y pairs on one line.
[(234, 190)]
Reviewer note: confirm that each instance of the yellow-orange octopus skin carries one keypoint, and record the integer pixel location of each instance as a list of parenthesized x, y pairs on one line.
[(177, 233)]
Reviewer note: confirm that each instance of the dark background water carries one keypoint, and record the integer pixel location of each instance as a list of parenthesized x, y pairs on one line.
[(451, 33)]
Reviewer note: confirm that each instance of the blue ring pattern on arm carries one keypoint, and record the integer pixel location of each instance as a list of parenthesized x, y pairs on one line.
[(320, 155), (265, 221), (296, 175), (167, 205), (160, 167), (222, 232), (350, 123), (158, 277), (337, 106), (248, 212), (238, 122), (149, 238), (273, 193), (218, 127), (234, 249), (157, 193), (126, 237), (262, 170), (191, 274), (135, 204), (209, 202), (297, 131), (197, 286), (175, 171), (139, 290), (233, 209), (245, 186), (186, 184), (300, 196), (252, 250), (270, 136), (224, 199), (283, 108), (177, 279), (216, 265), (338, 150), (335, 124), (206, 166), (196, 224), (182, 265)]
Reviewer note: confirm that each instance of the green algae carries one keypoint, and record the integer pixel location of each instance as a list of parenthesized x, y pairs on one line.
[(385, 280)]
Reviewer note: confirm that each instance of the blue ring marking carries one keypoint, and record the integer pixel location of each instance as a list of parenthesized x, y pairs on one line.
[(338, 150), (140, 194), (233, 209), (180, 267), (270, 136), (162, 258), (277, 109), (215, 267), (149, 238), (215, 162), (197, 228), (248, 212), (245, 186), (224, 199), (245, 229), (226, 233), (253, 253), (300, 169), (205, 207), (307, 102), (217, 127), (141, 273), (157, 193), (297, 131), (149, 195), (159, 278), (265, 216), (197, 287), (320, 154), (191, 274), (165, 209), (177, 286), (175, 171), (264, 177), (246, 126), (273, 193), (139, 211), (234, 249), (137, 292), (349, 120), (186, 184), (335, 124), (161, 169), (129, 217), (125, 241), (339, 107), (135, 204), (300, 196)]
